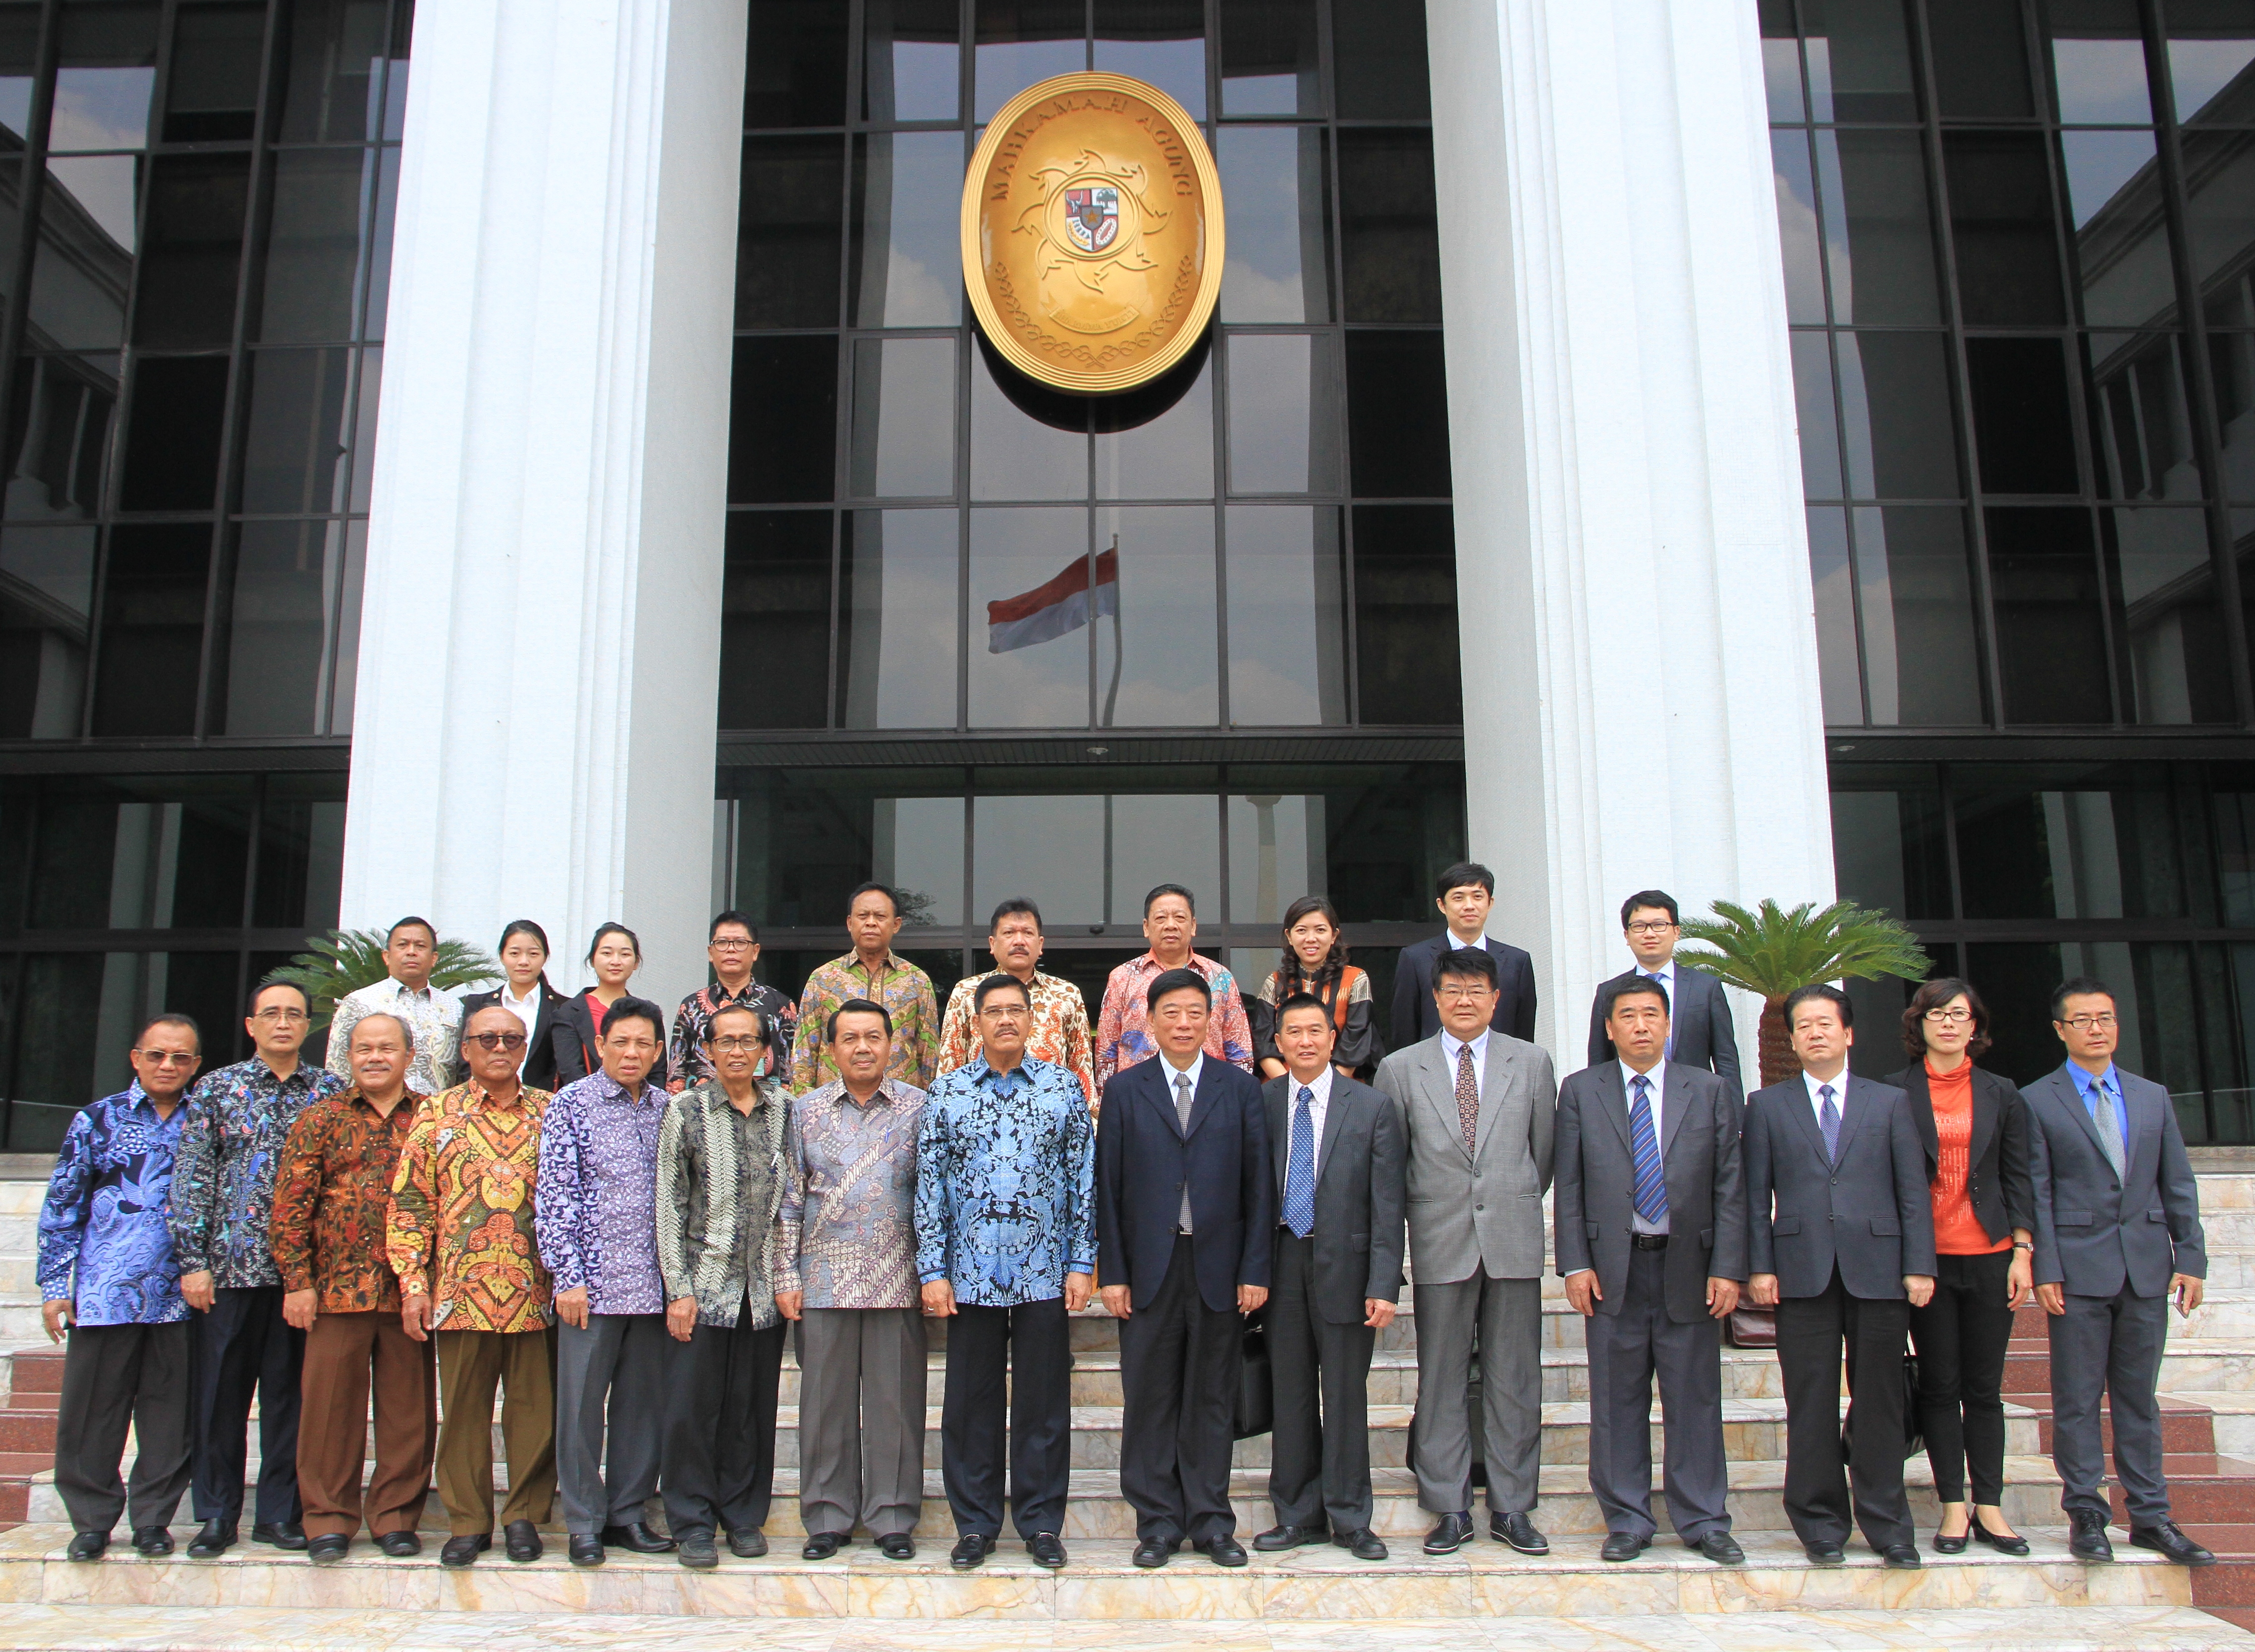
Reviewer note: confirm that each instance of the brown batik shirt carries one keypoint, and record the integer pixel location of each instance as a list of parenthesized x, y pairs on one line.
[(332, 1198)]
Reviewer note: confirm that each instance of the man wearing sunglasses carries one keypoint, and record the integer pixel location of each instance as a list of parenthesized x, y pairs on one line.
[(460, 1238)]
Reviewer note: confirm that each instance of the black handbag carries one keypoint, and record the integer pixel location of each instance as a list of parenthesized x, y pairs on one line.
[(1751, 1327), (1913, 1438), (1256, 1393)]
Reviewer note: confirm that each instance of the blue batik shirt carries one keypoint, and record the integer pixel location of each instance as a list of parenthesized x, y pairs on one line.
[(1006, 1184), (237, 1120), (103, 1221)]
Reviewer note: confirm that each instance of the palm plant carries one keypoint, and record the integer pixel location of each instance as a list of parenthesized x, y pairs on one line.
[(1770, 952), (345, 960)]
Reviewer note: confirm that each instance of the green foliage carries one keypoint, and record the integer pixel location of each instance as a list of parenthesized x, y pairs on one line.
[(345, 960), (1770, 951)]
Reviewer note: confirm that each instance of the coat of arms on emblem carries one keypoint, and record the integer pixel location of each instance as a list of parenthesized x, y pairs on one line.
[(1092, 217), (1077, 218)]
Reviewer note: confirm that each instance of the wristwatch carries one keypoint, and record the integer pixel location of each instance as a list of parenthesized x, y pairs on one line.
[(2018, 1244)]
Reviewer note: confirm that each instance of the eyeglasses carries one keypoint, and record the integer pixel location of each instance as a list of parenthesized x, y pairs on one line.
[(283, 1017), (737, 1043), (1651, 926), (1958, 1015), (730, 946), (2091, 1023), (1461, 995), (496, 1040), (167, 1058)]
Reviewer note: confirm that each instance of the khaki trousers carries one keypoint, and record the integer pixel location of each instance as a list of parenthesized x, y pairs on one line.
[(470, 1362), (343, 1351)]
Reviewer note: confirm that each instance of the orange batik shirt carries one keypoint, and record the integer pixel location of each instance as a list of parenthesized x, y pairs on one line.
[(464, 1191)]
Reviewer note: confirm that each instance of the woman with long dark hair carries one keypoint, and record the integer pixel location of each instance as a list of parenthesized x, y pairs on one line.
[(614, 955), (526, 994), (1975, 1129), (1314, 962)]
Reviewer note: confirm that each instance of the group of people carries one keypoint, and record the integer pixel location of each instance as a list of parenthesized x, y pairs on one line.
[(619, 1230)]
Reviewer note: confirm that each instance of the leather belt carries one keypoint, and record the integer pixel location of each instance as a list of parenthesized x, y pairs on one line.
[(1648, 1241)]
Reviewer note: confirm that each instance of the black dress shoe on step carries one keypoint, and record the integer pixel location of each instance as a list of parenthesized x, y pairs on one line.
[(1825, 1554), (2168, 1540), (1519, 1531), (215, 1538), (400, 1544), (281, 1534), (896, 1545), (152, 1540), (2015, 1545), (1721, 1548), (748, 1543), (1449, 1533), (1952, 1545), (86, 1545), (584, 1551), (697, 1550), (326, 1551), (1047, 1550), (1363, 1545), (1277, 1538), (820, 1545), (1223, 1551), (1153, 1552), (971, 1549), (1900, 1557), (2089, 1540), (458, 1552), (638, 1539), (521, 1538), (1623, 1545)]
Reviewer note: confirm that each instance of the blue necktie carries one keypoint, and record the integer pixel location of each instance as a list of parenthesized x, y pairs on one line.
[(1667, 1050), (1828, 1120), (1644, 1145), (1300, 1168)]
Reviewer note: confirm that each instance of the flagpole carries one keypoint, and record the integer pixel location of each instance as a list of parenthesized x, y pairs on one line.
[(1119, 646)]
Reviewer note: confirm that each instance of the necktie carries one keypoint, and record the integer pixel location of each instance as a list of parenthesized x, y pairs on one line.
[(1182, 1115), (1667, 1050), (1644, 1147), (1467, 1099), (1829, 1121), (2109, 1127), (1300, 1167)]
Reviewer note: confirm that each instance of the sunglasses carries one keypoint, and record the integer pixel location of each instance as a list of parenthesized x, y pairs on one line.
[(496, 1040)]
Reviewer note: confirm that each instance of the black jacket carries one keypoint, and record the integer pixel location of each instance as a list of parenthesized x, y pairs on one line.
[(1143, 1157), (1361, 1193), (539, 1070), (1869, 1213), (574, 1043), (1415, 1018), (1999, 1177), (1698, 1021)]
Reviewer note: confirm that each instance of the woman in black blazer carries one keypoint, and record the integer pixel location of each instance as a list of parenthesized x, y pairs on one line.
[(523, 954), (613, 958), (1975, 1128)]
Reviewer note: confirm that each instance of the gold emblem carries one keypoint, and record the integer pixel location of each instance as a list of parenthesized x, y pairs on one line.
[(1092, 232)]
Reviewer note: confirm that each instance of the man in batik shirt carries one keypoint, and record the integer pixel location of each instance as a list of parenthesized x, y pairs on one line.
[(875, 974), (1123, 1035), (733, 949), (1058, 1034), (434, 1019)]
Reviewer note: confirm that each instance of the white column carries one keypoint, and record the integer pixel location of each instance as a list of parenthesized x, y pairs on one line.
[(1640, 650), (539, 647)]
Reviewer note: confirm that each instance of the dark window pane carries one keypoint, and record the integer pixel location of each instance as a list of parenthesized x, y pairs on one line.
[(65, 407), (1159, 665), (2097, 62), (335, 56), (152, 629), (1820, 425), (2000, 215), (775, 620), (394, 75), (1269, 63), (1021, 42), (912, 66), (1279, 189), (899, 635), (2144, 428), (903, 418), (2015, 978), (1044, 847), (782, 420), (1405, 615), (211, 94), (2087, 841), (1799, 239), (363, 455), (1030, 574), (1922, 670), (83, 270), (2169, 615), (795, 69), (2023, 428), (1832, 583), (107, 68), (1780, 45), (1397, 409), (1287, 615), (1388, 226), (379, 243), (1162, 448), (1879, 229), (301, 842), (172, 438), (1284, 432), (2211, 44), (1980, 58), (280, 640), (907, 195), (46, 590), (787, 232), (1901, 418), (1889, 849), (1161, 42), (314, 245), (2051, 647), (344, 664), (1859, 67), (296, 433), (11, 173), (2231, 366), (2122, 259), (2219, 204), (1378, 58), (193, 253), (1017, 449)]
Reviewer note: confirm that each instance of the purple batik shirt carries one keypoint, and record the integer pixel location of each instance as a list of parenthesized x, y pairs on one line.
[(596, 1205)]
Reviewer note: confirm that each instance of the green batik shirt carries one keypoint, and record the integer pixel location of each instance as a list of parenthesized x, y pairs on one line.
[(903, 990)]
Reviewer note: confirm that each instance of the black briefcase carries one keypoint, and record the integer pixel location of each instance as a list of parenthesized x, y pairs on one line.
[(1256, 1395), (1914, 1439)]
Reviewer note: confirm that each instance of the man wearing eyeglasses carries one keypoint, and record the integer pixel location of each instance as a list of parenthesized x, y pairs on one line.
[(231, 1135), (460, 1238), (2118, 1235), (1699, 1030), (733, 947)]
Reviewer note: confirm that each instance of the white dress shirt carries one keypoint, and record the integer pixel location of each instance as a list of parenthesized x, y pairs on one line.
[(1320, 1087), (1653, 1081), (1450, 1044), (1168, 1071), (1478, 943), (527, 1010)]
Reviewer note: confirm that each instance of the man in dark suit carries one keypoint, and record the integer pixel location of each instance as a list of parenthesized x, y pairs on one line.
[(1652, 1244), (1341, 1162), (2118, 1234), (1840, 1232), (1699, 1030), (1465, 894), (1185, 1201)]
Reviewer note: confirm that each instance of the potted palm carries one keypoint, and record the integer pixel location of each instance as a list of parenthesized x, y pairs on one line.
[(345, 960)]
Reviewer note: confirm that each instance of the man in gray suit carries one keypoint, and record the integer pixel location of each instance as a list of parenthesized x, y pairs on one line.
[(1652, 1244), (1840, 1231), (2118, 1234), (1334, 1281), (1478, 1109), (1699, 1030)]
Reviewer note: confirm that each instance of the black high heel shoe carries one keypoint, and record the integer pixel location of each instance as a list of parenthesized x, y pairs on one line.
[(1952, 1545), (2002, 1545)]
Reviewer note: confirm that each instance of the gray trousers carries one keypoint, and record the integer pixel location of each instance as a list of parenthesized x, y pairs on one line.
[(2113, 1345), (1627, 1348), (116, 1377), (1507, 1316), (614, 1370), (861, 1419)]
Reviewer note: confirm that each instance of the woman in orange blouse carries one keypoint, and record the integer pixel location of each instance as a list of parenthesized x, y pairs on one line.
[(1975, 1127)]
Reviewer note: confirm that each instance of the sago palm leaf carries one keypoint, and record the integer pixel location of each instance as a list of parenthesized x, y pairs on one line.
[(1771, 951), (345, 960)]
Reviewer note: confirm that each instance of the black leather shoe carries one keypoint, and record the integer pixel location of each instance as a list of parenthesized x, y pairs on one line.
[(1952, 1545), (152, 1540), (638, 1539), (521, 1540), (1047, 1550), (461, 1552), (748, 1543), (1825, 1554), (216, 1537), (326, 1551), (2089, 1541), (1900, 1557), (400, 1544), (971, 1549), (896, 1545), (2167, 1539), (584, 1551), (2012, 1545), (1223, 1551), (821, 1545), (1721, 1548), (1623, 1545), (1278, 1538), (1519, 1531), (86, 1545), (281, 1534), (1153, 1552), (697, 1550), (1449, 1533)]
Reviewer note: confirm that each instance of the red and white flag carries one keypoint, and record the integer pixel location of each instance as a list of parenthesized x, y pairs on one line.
[(1055, 608)]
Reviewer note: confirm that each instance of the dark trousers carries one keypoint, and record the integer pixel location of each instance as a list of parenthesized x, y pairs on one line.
[(116, 1377), (718, 1456), (1628, 1348), (1014, 1360), (1810, 1333), (2110, 1344), (1178, 1373), (351, 1358), (470, 1364), (1319, 1471), (610, 1424), (244, 1347), (1961, 1335)]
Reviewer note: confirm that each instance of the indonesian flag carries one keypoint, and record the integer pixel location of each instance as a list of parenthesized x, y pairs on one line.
[(1052, 609)]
